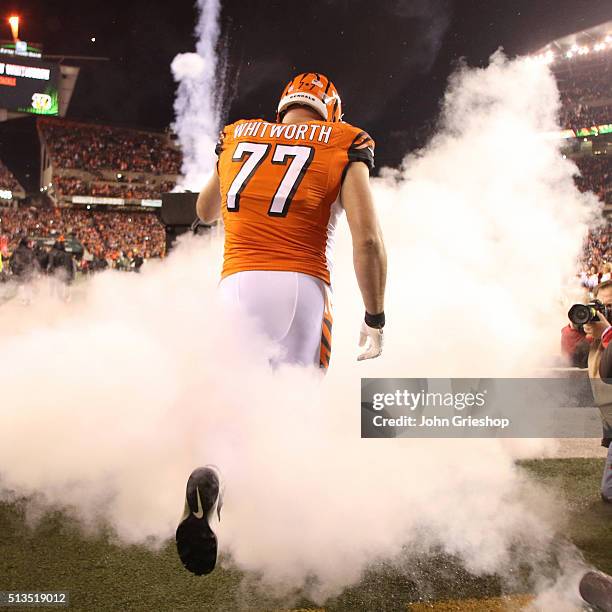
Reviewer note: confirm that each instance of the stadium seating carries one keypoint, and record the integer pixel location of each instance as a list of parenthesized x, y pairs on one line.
[(596, 176), (104, 161), (112, 236), (585, 86)]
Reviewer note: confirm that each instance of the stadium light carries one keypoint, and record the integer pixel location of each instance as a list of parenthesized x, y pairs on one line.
[(544, 58), (14, 23)]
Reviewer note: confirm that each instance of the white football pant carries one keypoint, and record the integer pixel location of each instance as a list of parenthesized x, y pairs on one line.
[(292, 309)]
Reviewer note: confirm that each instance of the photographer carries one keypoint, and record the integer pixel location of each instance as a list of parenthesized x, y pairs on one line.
[(596, 335)]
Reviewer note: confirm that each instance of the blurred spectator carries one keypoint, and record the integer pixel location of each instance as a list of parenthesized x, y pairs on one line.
[(23, 261), (23, 268), (42, 257), (62, 267), (138, 261)]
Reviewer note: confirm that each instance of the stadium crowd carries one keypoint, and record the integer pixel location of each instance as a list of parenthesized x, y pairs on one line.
[(584, 116), (91, 147), (585, 87), (597, 257), (70, 186), (7, 179), (109, 238), (596, 175)]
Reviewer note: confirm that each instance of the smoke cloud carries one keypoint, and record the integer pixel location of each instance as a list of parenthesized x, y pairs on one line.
[(111, 401), (197, 103)]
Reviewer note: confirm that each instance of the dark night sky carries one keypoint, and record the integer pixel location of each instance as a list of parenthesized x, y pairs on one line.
[(389, 59)]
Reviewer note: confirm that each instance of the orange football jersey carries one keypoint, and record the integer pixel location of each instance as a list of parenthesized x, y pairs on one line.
[(280, 184)]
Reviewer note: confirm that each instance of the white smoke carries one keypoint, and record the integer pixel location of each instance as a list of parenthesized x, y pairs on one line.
[(197, 111), (110, 402)]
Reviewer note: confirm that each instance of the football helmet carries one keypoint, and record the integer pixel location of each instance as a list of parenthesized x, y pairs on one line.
[(315, 90)]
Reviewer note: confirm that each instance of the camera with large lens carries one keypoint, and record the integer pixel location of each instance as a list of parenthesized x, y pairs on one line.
[(579, 314)]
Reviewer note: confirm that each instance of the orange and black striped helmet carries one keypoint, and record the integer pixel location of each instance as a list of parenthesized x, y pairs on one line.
[(315, 90)]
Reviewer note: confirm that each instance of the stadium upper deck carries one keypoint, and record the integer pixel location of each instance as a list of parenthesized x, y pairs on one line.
[(578, 44), (582, 64), (85, 163)]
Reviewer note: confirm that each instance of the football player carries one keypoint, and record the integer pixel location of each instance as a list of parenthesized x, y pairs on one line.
[(281, 188)]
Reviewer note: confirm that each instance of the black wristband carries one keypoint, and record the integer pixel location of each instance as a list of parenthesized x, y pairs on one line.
[(375, 320)]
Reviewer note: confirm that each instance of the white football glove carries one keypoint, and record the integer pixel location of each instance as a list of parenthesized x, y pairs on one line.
[(372, 339)]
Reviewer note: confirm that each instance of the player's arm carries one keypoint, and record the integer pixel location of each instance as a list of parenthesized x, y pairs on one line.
[(369, 255), (208, 206)]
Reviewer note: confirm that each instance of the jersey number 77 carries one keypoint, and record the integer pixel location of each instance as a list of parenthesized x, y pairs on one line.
[(252, 155)]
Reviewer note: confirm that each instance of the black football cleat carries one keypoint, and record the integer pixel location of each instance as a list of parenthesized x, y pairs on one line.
[(196, 542)]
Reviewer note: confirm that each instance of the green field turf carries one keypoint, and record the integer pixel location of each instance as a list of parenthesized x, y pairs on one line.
[(590, 525), (100, 575)]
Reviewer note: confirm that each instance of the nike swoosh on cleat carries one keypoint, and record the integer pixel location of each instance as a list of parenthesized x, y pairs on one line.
[(200, 513)]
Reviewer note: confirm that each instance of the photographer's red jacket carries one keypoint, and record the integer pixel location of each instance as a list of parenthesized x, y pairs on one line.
[(575, 346)]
